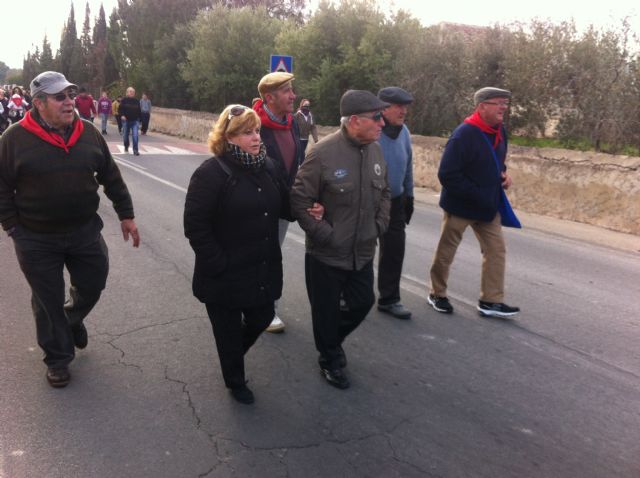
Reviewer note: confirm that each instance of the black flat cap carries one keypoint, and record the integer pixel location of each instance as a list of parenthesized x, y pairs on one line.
[(354, 102), (488, 92), (395, 95)]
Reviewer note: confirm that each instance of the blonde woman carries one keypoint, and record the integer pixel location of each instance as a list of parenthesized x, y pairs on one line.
[(231, 217)]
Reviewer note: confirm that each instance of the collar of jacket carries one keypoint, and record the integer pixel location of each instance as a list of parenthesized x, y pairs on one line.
[(350, 139)]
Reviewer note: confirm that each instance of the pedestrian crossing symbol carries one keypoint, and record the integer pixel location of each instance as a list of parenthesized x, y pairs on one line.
[(281, 63)]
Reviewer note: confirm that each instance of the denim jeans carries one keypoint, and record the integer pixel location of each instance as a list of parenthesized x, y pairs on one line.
[(103, 119), (133, 127)]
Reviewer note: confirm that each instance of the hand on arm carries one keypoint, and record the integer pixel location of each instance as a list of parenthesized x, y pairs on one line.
[(316, 211)]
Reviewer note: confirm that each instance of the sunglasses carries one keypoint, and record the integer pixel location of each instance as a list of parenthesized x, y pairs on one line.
[(60, 97), (375, 117), (236, 110)]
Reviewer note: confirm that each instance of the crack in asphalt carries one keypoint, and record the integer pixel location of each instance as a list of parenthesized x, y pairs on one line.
[(144, 327), (121, 360)]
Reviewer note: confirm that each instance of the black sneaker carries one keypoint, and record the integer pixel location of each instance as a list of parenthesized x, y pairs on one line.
[(441, 304), (496, 309), (243, 395), (335, 377), (58, 377), (80, 336), (126, 149)]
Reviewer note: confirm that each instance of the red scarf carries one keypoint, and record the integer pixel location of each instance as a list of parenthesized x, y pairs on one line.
[(478, 122), (267, 121), (34, 127)]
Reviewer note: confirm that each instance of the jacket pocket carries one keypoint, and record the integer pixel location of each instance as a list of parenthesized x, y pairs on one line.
[(338, 194)]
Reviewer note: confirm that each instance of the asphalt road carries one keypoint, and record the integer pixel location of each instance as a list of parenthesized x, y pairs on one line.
[(555, 393)]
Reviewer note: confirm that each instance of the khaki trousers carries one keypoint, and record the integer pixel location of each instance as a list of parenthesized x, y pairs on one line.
[(492, 246)]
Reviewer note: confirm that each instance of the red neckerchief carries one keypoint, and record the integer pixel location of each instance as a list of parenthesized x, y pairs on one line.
[(267, 121), (478, 122), (34, 127)]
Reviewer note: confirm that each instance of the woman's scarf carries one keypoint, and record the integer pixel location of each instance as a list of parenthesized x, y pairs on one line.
[(248, 160), (478, 122)]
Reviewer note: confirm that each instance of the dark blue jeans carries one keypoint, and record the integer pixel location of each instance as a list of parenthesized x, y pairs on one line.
[(42, 258), (133, 127)]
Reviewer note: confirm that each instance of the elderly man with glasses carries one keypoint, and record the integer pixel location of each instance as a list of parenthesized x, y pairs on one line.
[(473, 175), (51, 165), (346, 172)]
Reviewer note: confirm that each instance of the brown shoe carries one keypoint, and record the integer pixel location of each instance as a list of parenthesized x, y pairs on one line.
[(58, 377)]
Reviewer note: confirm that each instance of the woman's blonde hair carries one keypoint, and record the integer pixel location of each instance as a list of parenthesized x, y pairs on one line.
[(230, 124)]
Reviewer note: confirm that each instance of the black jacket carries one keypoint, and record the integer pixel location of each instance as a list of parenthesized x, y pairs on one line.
[(232, 226)]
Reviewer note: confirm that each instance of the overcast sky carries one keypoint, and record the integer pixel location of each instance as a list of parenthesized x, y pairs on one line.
[(23, 31)]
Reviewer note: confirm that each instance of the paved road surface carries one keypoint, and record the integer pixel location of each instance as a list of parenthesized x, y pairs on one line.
[(555, 393)]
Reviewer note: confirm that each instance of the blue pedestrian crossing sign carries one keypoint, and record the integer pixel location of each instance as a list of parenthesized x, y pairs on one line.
[(281, 63)]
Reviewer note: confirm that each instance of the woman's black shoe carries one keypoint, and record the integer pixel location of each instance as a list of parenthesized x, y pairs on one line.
[(243, 394)]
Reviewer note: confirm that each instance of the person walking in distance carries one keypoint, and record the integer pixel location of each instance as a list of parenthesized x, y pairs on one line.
[(281, 137), (129, 111), (104, 110), (85, 105), (306, 123), (395, 142), (473, 175), (346, 173), (51, 166), (145, 113), (115, 106)]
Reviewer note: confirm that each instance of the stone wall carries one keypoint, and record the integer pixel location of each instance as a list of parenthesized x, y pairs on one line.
[(592, 188)]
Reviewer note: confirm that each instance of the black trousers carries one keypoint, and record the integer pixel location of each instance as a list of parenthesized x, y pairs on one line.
[(144, 119), (391, 255), (235, 335), (42, 258), (119, 122), (331, 324)]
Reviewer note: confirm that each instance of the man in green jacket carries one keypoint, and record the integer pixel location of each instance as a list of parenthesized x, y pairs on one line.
[(51, 165), (347, 173)]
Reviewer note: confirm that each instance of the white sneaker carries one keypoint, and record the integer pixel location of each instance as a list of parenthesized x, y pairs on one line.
[(276, 326)]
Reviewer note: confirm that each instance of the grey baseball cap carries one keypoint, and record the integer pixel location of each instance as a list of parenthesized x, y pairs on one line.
[(49, 82)]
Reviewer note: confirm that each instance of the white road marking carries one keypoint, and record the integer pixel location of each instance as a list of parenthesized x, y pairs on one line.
[(134, 165), (149, 175), (163, 149)]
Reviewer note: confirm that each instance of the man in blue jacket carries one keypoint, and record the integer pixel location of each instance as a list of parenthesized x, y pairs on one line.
[(395, 142), (472, 173)]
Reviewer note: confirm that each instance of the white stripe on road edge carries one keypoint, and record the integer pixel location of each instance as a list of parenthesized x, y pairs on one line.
[(408, 282), (135, 167)]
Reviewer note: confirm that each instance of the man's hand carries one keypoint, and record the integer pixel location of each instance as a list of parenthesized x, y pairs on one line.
[(128, 226), (317, 211), (506, 180), (408, 208)]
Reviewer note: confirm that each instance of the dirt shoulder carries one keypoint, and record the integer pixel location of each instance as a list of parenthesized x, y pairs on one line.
[(560, 227)]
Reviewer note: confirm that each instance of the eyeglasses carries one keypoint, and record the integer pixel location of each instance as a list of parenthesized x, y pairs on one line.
[(376, 117), (60, 97), (497, 103), (236, 110)]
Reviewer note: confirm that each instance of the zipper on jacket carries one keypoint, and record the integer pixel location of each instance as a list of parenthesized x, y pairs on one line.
[(355, 242)]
